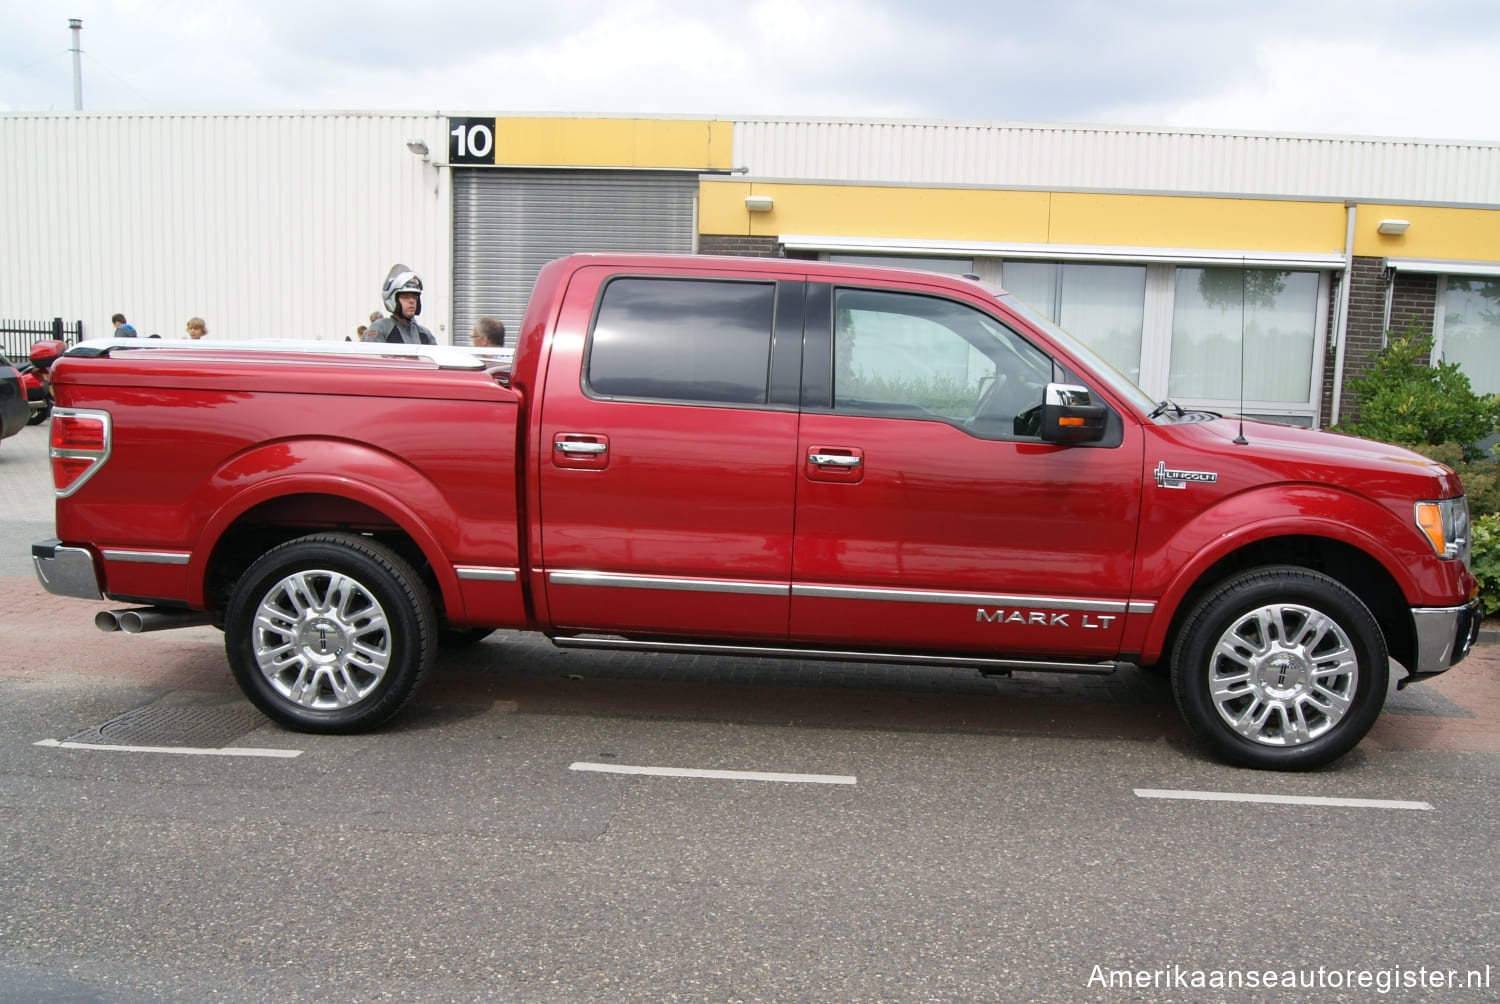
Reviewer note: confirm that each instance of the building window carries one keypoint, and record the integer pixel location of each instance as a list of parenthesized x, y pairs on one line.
[(1263, 320), (1185, 331), (1103, 306), (1469, 329)]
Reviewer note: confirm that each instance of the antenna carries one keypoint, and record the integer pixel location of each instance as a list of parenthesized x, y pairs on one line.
[(1240, 440)]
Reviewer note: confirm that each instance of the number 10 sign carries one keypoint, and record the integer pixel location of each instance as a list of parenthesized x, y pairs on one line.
[(471, 141)]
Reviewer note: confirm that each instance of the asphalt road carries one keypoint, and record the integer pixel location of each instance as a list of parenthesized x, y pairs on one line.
[(902, 835)]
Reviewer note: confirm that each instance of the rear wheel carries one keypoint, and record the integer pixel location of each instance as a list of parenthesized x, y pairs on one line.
[(330, 633), (1281, 668)]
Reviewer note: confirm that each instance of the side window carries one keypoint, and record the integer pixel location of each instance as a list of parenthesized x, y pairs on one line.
[(682, 340), (906, 355)]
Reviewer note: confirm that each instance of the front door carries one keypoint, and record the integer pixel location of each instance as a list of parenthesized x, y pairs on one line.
[(929, 514)]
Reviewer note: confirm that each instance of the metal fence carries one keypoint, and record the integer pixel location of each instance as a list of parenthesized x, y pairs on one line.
[(16, 337)]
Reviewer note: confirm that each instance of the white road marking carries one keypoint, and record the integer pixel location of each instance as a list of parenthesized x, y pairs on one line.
[(182, 750), (720, 775), (1233, 796)]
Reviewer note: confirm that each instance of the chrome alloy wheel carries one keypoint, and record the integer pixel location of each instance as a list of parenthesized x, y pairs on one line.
[(321, 639), (1283, 674)]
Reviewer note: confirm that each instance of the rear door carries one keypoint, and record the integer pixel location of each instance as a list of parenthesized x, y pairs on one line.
[(667, 466), (930, 516)]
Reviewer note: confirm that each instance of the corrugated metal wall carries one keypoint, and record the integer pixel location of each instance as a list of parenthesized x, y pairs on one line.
[(272, 225), (285, 223), (1119, 158), (507, 224)]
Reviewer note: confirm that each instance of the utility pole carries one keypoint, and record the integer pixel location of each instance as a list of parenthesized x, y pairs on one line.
[(76, 24)]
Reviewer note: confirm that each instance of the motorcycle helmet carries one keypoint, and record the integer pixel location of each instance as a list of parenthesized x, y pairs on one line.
[(400, 280)]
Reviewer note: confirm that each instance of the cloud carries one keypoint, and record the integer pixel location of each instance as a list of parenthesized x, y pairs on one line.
[(1280, 65)]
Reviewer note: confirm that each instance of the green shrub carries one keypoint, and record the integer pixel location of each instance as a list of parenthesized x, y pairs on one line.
[(1486, 562), (1481, 478), (1403, 400), (1434, 411)]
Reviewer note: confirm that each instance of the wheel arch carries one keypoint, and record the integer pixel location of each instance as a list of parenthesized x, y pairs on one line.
[(1355, 569), (280, 508)]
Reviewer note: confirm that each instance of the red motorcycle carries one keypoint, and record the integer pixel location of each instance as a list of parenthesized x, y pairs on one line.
[(36, 378)]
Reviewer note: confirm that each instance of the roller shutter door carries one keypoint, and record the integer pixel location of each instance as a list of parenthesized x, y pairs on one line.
[(508, 224)]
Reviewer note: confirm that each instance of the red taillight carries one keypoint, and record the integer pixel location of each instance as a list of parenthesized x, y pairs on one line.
[(80, 445), (78, 432)]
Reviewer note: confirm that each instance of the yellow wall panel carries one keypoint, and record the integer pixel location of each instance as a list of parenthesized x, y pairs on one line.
[(1096, 219), (1207, 223), (872, 211), (721, 207), (1435, 232), (577, 142)]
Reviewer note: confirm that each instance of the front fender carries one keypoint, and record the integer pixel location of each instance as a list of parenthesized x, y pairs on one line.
[(374, 478), (1167, 573)]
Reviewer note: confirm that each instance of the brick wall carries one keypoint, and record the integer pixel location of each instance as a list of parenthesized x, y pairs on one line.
[(754, 247), (1413, 299)]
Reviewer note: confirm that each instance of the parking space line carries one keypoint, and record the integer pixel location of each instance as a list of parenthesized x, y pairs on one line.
[(1320, 800), (249, 751), (719, 775)]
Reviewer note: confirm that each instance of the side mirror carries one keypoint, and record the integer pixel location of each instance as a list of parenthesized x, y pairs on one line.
[(1070, 416)]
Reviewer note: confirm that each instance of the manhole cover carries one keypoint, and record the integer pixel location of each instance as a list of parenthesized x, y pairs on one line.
[(206, 728)]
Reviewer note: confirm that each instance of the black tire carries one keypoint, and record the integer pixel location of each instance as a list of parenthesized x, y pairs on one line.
[(40, 415), (1280, 668), (330, 633)]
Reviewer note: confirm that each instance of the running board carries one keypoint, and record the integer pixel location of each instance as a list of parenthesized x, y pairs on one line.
[(985, 665)]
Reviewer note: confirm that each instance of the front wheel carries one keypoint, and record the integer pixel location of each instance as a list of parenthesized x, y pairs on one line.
[(330, 633), (1280, 668)]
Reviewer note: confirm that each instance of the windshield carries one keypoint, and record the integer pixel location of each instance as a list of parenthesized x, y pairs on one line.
[(1117, 382)]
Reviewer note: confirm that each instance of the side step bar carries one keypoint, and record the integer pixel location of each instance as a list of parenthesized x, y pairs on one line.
[(987, 666)]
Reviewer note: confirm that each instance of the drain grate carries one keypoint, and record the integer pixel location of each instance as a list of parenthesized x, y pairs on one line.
[(207, 728)]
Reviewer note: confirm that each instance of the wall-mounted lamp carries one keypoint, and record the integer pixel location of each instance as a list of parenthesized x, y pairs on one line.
[(758, 203), (418, 147), (1394, 228)]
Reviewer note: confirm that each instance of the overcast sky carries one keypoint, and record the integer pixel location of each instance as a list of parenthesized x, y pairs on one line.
[(1366, 67)]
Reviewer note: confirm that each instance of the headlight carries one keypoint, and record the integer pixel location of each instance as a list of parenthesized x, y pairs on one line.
[(1445, 524)]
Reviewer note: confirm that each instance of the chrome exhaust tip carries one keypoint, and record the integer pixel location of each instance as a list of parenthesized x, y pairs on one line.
[(143, 619)]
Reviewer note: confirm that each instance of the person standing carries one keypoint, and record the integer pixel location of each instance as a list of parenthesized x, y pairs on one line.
[(123, 328), (489, 333), (402, 296)]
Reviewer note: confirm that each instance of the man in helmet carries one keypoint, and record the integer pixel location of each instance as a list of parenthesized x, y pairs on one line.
[(402, 295)]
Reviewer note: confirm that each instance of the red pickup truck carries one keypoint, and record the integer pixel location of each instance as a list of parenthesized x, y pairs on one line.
[(761, 456)]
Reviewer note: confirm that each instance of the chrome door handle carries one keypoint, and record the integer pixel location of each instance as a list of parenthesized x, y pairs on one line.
[(833, 460), (578, 449)]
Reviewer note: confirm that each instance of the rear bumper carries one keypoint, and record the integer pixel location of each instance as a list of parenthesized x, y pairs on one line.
[(65, 571), (1444, 637)]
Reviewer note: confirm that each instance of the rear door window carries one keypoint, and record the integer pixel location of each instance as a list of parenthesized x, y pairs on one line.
[(692, 340)]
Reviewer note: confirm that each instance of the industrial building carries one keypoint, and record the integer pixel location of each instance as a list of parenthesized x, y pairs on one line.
[(1227, 270)]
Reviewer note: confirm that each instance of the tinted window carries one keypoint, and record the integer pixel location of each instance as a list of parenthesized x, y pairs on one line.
[(683, 340)]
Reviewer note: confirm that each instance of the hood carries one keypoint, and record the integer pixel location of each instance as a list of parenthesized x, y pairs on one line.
[(1287, 452)]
